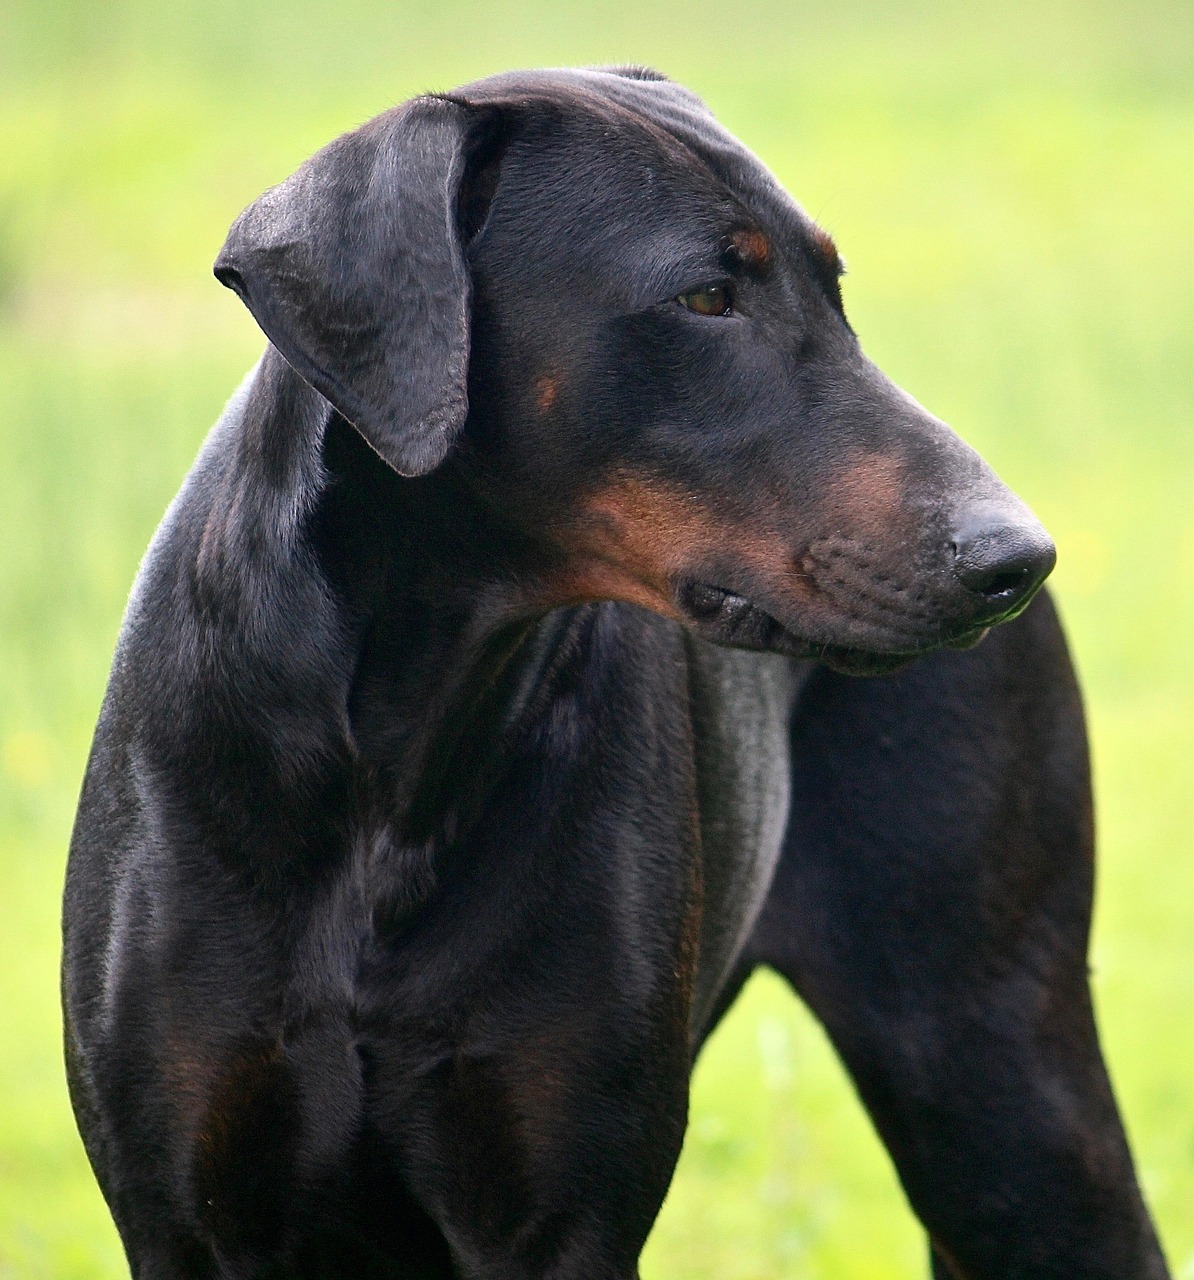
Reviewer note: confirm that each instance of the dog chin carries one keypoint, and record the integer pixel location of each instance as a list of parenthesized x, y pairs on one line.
[(858, 662), (731, 620)]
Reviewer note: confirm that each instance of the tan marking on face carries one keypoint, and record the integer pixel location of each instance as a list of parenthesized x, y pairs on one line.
[(867, 497), (825, 246), (547, 392), (635, 535), (753, 247)]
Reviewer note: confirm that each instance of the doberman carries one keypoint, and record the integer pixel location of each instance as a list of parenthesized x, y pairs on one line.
[(486, 710)]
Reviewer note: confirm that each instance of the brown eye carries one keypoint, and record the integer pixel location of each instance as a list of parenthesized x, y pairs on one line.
[(708, 300)]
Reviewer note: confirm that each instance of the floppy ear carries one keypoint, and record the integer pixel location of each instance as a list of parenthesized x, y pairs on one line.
[(354, 269)]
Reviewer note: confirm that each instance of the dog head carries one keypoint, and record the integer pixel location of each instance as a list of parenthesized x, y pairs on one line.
[(630, 342)]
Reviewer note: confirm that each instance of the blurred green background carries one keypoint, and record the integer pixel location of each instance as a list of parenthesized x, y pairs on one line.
[(1014, 191)]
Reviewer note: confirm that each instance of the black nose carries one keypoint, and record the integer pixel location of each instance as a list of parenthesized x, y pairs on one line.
[(1002, 563)]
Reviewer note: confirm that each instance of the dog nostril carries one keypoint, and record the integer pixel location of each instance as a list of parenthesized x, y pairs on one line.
[(1001, 583), (995, 583), (1003, 564)]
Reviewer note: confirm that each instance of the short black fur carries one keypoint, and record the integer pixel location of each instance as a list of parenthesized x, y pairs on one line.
[(483, 717)]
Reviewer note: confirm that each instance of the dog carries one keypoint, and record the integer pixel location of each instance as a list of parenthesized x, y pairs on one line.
[(487, 710)]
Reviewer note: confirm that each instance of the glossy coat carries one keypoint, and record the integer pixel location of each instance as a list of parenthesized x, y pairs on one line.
[(483, 716)]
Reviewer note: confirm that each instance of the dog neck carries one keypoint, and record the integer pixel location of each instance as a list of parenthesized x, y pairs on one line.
[(432, 595), (455, 659)]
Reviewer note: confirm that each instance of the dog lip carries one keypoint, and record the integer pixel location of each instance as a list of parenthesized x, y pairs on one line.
[(861, 662), (724, 617), (703, 600), (968, 639)]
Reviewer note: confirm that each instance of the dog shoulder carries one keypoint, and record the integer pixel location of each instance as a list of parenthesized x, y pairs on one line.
[(232, 635)]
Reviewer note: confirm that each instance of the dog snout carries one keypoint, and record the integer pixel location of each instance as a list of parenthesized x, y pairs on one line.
[(1001, 559)]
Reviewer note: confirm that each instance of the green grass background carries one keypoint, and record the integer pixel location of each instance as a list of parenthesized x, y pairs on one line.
[(1013, 187)]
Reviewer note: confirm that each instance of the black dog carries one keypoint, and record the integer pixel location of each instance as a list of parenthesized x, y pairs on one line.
[(426, 835)]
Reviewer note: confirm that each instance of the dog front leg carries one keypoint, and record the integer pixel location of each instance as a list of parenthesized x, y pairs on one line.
[(534, 1162), (933, 908)]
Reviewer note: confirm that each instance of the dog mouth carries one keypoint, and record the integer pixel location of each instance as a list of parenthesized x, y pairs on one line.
[(724, 617)]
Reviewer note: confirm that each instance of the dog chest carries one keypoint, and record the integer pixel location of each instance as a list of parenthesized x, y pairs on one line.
[(741, 705)]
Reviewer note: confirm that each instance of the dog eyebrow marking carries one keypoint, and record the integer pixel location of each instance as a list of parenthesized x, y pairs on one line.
[(823, 242), (751, 247), (547, 391)]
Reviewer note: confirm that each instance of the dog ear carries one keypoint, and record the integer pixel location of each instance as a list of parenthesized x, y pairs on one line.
[(354, 267)]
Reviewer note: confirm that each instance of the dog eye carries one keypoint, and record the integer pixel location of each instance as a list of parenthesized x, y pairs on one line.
[(708, 300)]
